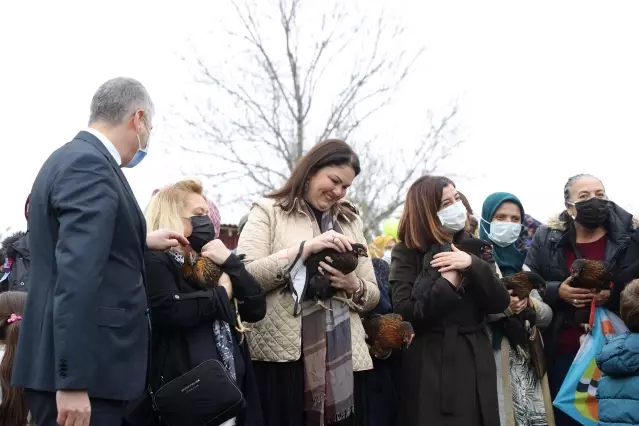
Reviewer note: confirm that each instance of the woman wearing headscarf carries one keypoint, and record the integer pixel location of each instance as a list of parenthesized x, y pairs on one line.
[(524, 397)]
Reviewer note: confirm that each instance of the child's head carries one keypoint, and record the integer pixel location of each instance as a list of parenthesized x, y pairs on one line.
[(13, 408), (11, 310), (629, 308)]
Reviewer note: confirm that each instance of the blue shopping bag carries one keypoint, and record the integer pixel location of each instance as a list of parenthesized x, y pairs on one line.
[(578, 394)]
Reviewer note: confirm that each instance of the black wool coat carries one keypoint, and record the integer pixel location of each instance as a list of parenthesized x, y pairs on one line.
[(448, 373)]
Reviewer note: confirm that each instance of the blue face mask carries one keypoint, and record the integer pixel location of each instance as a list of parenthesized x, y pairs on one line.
[(141, 152)]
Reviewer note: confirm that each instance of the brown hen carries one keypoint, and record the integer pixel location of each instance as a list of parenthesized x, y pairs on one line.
[(387, 332), (522, 283), (206, 274), (592, 275), (201, 270)]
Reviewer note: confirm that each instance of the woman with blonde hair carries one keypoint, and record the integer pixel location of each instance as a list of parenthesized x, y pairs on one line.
[(190, 324), (309, 366)]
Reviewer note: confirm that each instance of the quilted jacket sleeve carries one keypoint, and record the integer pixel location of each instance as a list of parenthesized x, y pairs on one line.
[(255, 244)]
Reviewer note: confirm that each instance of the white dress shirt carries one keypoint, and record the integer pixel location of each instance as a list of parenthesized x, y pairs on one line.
[(107, 144)]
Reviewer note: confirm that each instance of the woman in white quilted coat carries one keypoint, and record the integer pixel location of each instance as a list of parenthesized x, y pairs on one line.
[(309, 358)]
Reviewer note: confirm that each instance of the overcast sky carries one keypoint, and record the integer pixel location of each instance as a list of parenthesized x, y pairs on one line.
[(546, 89)]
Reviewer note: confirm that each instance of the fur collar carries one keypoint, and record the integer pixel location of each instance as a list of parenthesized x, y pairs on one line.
[(8, 245)]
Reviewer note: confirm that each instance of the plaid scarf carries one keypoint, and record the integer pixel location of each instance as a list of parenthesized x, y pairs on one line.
[(327, 351)]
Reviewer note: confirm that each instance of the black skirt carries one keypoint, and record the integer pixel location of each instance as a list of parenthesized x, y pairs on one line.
[(281, 388)]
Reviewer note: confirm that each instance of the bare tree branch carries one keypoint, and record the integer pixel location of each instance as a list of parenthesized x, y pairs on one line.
[(381, 188), (285, 89)]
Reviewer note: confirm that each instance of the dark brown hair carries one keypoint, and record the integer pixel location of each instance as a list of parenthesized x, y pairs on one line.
[(464, 200), (13, 408), (629, 307), (332, 152), (473, 223), (419, 227)]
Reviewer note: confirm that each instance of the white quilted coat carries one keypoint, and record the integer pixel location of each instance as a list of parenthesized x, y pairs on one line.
[(267, 235)]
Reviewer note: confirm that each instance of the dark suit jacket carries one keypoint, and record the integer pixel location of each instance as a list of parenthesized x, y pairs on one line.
[(85, 325)]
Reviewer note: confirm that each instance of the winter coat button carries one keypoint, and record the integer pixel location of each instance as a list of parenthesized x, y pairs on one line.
[(278, 276), (176, 297), (22, 283)]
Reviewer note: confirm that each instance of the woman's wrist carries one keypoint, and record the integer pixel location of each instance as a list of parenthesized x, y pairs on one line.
[(359, 296), (293, 252)]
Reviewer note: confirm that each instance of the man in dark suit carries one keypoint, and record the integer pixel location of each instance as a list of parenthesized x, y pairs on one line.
[(83, 344)]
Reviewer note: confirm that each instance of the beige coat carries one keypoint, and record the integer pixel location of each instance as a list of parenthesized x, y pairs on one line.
[(265, 239)]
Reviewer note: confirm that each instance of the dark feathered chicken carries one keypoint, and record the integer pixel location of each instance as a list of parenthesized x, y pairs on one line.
[(520, 329), (522, 283), (387, 332), (319, 286), (592, 275), (480, 248)]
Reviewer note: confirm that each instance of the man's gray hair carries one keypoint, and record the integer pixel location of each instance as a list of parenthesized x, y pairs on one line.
[(119, 98)]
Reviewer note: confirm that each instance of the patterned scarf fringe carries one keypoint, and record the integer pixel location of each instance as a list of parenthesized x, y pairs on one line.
[(342, 416)]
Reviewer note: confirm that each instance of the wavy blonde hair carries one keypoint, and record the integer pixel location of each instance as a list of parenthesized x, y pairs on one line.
[(166, 208)]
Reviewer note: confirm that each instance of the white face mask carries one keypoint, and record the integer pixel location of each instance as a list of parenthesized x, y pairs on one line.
[(504, 233), (453, 217)]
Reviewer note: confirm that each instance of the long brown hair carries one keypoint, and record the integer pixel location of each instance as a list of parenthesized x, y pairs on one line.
[(13, 408), (419, 226), (331, 152)]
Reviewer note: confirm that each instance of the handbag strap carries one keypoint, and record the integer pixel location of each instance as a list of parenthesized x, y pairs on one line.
[(294, 268)]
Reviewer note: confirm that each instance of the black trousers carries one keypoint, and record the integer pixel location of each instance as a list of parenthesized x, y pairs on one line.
[(43, 408)]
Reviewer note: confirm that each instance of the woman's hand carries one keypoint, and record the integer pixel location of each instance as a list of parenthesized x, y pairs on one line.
[(225, 281), (516, 305), (577, 297), (455, 260), (216, 251), (330, 239), (349, 282), (453, 277), (602, 297)]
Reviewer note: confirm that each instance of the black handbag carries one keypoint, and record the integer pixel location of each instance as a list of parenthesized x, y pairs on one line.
[(206, 395)]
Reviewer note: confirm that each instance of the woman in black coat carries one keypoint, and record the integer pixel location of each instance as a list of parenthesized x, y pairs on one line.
[(191, 325), (591, 227), (448, 373)]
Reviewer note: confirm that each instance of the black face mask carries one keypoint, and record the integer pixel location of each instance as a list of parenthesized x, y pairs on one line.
[(203, 232), (592, 213)]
